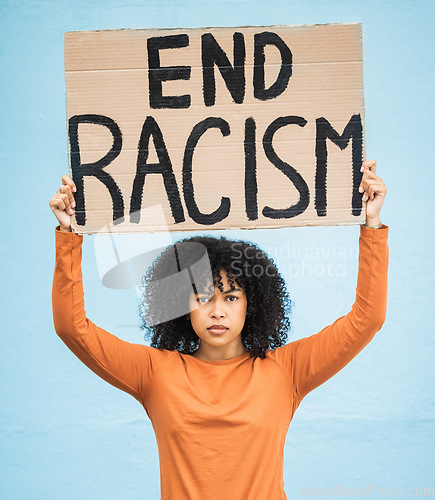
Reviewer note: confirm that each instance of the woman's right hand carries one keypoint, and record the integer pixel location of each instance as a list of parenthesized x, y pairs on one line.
[(63, 203)]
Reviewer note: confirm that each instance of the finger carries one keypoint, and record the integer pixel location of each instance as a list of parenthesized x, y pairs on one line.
[(66, 179), (373, 189), (368, 176), (57, 203), (369, 165), (67, 206), (365, 185), (66, 189), (377, 190), (368, 195), (369, 182)]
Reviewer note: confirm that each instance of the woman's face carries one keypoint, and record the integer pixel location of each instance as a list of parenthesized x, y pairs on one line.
[(219, 318)]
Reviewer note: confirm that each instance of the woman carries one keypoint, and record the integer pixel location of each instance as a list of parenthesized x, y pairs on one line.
[(217, 384)]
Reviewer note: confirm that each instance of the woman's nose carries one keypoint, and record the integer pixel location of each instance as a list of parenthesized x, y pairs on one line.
[(217, 309)]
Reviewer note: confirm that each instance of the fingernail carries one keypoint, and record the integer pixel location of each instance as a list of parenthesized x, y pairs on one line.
[(74, 189), (362, 169), (361, 189), (73, 204), (70, 211)]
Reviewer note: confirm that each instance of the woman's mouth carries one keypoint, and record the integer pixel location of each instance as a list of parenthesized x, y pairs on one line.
[(217, 329)]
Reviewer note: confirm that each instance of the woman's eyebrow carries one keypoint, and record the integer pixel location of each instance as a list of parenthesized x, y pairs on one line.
[(233, 290), (228, 291)]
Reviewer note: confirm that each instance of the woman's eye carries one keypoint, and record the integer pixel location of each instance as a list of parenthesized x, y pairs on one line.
[(232, 298), (203, 300)]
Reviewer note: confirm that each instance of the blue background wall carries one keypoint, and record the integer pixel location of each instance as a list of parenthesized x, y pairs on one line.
[(67, 434)]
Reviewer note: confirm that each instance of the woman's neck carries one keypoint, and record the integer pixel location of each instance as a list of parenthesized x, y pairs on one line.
[(211, 353)]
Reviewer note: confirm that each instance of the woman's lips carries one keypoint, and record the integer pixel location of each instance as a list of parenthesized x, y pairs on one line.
[(216, 329)]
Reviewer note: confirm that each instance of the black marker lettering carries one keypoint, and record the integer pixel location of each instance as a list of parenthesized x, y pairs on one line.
[(288, 170), (251, 188), (324, 130), (164, 168), (80, 170), (234, 77), (157, 74), (189, 197), (260, 41)]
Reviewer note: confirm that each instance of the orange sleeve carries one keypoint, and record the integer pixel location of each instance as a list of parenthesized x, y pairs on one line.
[(313, 360), (126, 366)]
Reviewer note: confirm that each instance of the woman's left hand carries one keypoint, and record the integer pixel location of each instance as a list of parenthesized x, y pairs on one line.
[(374, 191)]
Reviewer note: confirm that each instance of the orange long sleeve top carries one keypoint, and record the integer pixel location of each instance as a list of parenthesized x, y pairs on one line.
[(221, 425)]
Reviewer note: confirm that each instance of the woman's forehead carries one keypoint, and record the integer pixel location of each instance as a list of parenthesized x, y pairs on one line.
[(208, 283)]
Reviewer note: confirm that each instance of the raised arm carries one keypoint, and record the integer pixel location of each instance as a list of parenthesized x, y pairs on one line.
[(126, 366), (311, 361), (319, 357)]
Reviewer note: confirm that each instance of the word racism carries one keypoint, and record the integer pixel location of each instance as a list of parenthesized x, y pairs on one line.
[(213, 58)]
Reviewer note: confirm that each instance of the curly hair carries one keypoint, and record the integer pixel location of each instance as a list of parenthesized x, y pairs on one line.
[(182, 268)]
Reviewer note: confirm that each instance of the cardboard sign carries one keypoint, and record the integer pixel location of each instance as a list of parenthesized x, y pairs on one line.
[(216, 128)]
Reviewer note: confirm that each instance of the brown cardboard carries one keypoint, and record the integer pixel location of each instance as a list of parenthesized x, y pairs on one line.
[(107, 74)]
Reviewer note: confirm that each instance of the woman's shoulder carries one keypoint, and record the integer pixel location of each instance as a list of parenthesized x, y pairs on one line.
[(286, 355), (281, 353), (158, 355)]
